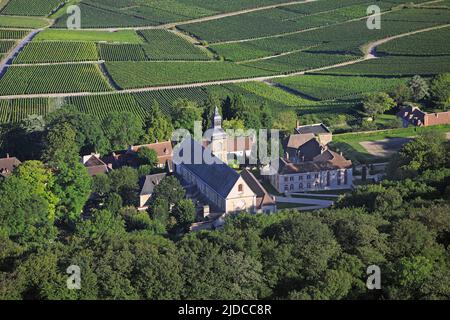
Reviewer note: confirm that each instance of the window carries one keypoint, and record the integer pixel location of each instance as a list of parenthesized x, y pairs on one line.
[(286, 179), (316, 176), (291, 178), (345, 177), (308, 177), (328, 178), (292, 187), (309, 185), (241, 188), (286, 187), (301, 177), (301, 185)]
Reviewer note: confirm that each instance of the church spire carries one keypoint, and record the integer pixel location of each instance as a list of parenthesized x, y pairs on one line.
[(217, 119)]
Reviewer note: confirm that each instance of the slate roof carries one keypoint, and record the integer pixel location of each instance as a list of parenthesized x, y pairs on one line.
[(316, 129), (202, 163), (151, 181)]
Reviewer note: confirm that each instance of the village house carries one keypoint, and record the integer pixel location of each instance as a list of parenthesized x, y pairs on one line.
[(118, 159), (8, 165), (309, 165), (327, 171), (94, 164), (151, 181), (319, 130), (265, 203), (307, 142), (412, 115)]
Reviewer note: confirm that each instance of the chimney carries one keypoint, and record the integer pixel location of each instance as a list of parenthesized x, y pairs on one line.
[(297, 123)]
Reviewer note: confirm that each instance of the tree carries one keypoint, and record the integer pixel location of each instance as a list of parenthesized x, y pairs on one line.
[(419, 88), (60, 144), (185, 213), (124, 181), (147, 156), (233, 124), (101, 184), (377, 103), (124, 129), (158, 127), (170, 190), (185, 114), (90, 136), (157, 269), (401, 94), (208, 111), (440, 90), (28, 206), (73, 187), (426, 152)]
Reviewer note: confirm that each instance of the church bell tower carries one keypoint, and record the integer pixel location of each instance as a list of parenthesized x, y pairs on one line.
[(219, 139)]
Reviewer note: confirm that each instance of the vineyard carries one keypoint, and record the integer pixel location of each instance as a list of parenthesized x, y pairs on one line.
[(41, 52), (397, 66), (53, 78), (335, 87), (142, 74), (12, 34), (300, 61), (15, 110), (165, 45), (121, 52), (31, 7), (345, 38), (273, 22), (101, 106), (433, 43), (5, 46)]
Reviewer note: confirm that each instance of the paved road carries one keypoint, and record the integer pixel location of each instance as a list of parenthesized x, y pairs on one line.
[(315, 202)]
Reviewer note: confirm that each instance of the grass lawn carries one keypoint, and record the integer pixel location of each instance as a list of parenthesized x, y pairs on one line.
[(123, 36), (349, 143), (23, 22)]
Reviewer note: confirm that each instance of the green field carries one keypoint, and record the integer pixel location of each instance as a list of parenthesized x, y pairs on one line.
[(349, 143), (22, 22), (123, 36)]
